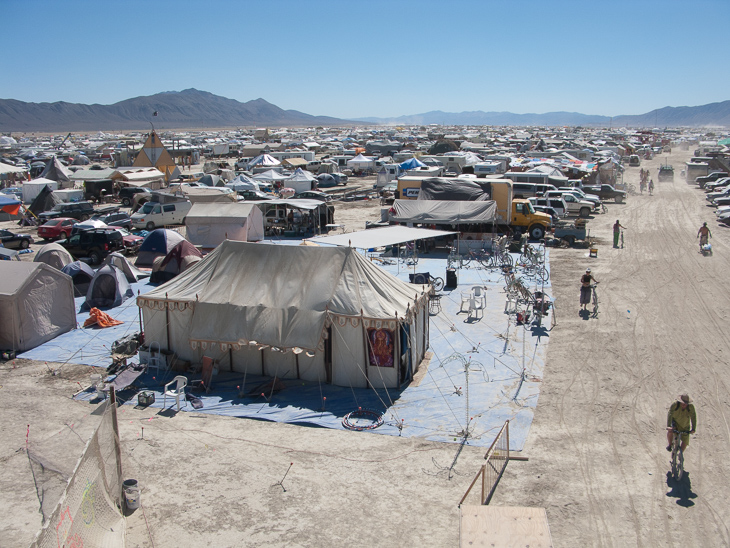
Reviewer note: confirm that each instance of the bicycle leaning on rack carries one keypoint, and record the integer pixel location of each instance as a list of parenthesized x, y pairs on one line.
[(677, 453)]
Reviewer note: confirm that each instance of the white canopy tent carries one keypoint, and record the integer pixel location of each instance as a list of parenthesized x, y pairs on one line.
[(380, 237), (300, 180), (293, 312), (6, 168), (361, 162)]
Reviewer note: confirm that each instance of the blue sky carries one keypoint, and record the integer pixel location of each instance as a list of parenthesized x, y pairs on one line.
[(375, 58)]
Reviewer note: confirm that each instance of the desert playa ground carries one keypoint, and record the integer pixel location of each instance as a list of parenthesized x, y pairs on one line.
[(597, 462)]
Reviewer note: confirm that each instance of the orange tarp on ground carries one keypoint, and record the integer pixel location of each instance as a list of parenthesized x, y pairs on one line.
[(102, 319)]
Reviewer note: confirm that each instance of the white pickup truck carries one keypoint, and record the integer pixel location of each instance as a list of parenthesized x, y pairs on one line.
[(575, 206)]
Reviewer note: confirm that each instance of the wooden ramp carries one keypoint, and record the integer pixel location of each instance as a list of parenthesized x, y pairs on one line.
[(504, 527)]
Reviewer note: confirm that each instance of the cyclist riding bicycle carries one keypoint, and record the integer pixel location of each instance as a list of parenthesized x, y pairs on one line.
[(681, 415), (585, 288), (703, 233)]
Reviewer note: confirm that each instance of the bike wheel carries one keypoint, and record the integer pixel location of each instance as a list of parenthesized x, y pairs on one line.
[(465, 261), (680, 464), (543, 273), (438, 283), (675, 466)]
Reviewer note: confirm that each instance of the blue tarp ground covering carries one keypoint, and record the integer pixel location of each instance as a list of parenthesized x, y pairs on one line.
[(505, 366)]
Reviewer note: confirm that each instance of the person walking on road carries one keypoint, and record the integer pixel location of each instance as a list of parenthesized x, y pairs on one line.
[(703, 235), (585, 289), (617, 232), (681, 416), (651, 187)]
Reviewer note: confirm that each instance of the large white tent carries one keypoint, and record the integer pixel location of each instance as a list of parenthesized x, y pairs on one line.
[(208, 225), (294, 312), (36, 304), (361, 162), (300, 180)]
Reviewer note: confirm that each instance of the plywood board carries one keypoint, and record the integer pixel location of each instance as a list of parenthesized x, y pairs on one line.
[(504, 527)]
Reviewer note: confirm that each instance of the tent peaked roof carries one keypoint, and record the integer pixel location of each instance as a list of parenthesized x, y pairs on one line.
[(282, 295), (55, 171), (154, 154)]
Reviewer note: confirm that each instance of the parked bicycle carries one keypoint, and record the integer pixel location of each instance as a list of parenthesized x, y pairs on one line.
[(456, 260), (425, 278), (408, 254)]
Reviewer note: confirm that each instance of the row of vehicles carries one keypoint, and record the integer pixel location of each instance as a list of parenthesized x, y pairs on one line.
[(717, 191)]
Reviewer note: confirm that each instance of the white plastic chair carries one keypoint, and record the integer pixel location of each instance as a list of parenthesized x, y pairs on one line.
[(155, 359), (465, 296), (480, 294), (475, 305), (180, 383)]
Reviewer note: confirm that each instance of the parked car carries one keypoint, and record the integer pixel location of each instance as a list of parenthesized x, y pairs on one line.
[(119, 219), (126, 194), (254, 195), (721, 192), (583, 195), (55, 229), (554, 216), (720, 202), (15, 241), (15, 191), (714, 185), (95, 244), (606, 192), (132, 242), (76, 210), (556, 203), (575, 206), (714, 176), (314, 195)]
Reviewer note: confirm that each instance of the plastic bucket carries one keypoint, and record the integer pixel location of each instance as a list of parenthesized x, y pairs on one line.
[(131, 494)]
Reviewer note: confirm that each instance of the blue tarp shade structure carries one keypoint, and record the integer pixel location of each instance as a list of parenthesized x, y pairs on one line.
[(413, 163), (81, 274), (108, 289)]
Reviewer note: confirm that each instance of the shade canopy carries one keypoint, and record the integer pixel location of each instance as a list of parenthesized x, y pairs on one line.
[(443, 212), (380, 237)]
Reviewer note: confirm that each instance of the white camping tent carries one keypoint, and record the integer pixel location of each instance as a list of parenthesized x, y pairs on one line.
[(36, 304), (300, 180), (293, 312), (33, 188), (207, 225)]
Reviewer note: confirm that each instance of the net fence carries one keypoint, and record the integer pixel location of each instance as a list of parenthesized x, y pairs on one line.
[(89, 512), (491, 471)]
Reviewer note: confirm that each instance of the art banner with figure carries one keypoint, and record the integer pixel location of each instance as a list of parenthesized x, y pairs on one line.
[(381, 346)]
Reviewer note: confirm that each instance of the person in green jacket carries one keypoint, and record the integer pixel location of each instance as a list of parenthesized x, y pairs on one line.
[(681, 416)]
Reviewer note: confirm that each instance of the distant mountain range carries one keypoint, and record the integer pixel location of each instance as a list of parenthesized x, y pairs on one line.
[(196, 109), (711, 115), (189, 108)]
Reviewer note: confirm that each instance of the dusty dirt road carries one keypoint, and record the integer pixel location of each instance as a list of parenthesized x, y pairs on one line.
[(597, 445)]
